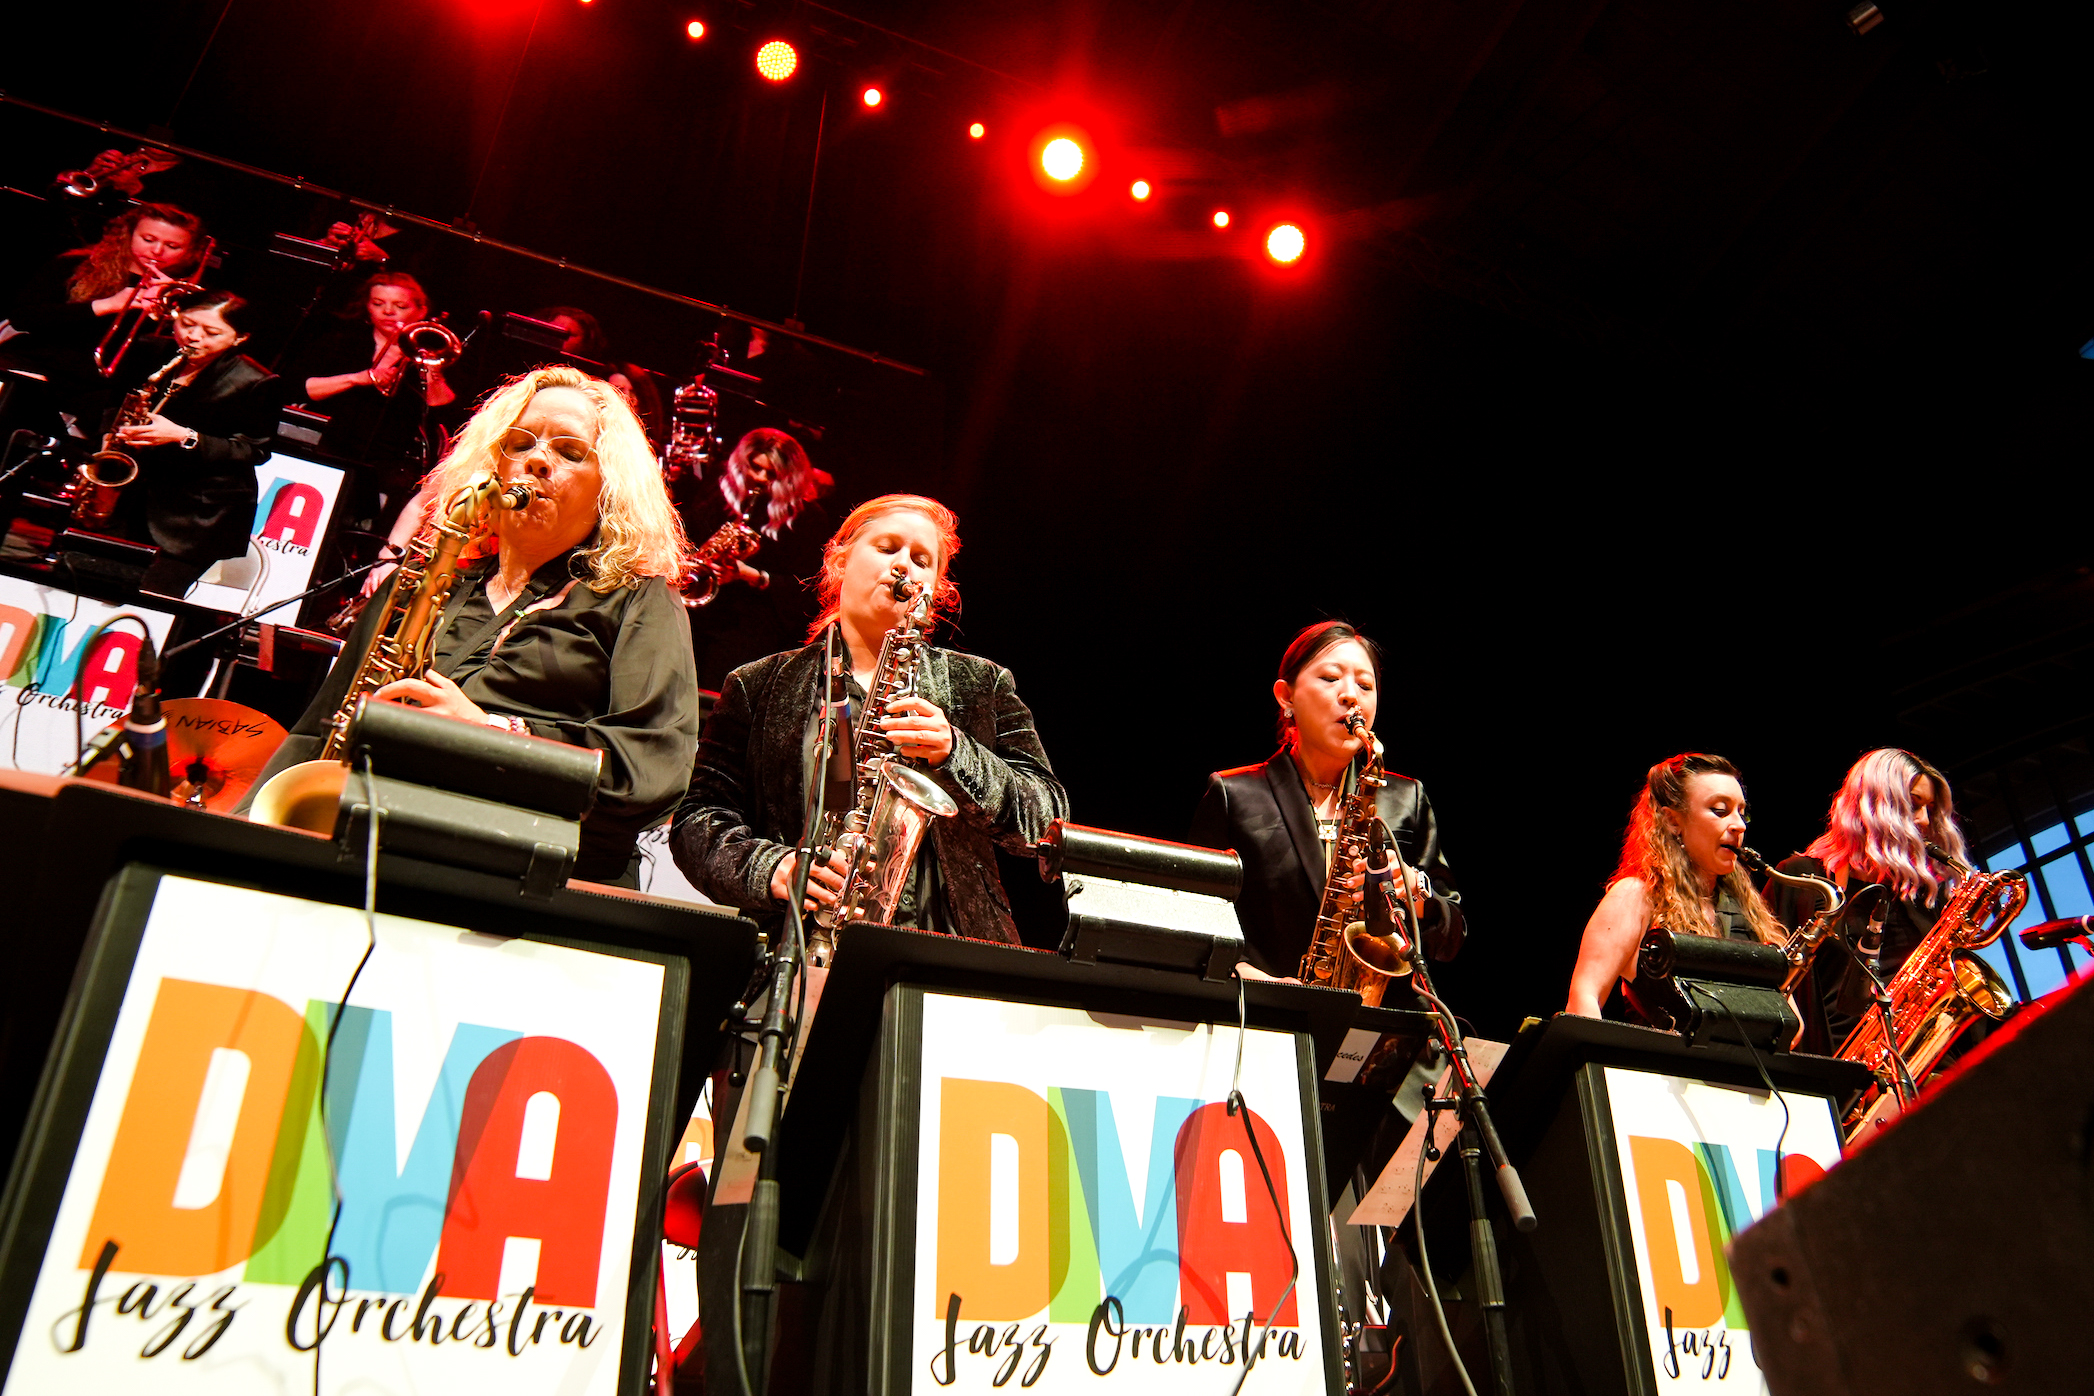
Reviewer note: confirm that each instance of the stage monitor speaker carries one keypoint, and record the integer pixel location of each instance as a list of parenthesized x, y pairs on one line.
[(1956, 1250)]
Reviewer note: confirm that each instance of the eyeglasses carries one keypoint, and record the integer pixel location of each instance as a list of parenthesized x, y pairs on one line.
[(518, 442)]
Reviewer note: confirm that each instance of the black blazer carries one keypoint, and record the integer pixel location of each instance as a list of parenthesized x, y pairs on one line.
[(1263, 812), (742, 816), (199, 505)]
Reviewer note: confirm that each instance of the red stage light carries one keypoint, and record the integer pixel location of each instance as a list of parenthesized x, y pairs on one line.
[(1285, 243), (777, 60), (873, 97), (1221, 218), (1141, 189), (977, 130), (1062, 159), (696, 28)]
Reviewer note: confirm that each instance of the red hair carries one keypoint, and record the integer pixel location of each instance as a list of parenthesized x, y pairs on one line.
[(945, 597)]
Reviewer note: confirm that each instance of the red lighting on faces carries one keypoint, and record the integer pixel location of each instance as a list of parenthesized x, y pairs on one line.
[(1221, 218), (1062, 159), (873, 97), (977, 130), (1141, 189), (696, 28), (777, 60), (1285, 243)]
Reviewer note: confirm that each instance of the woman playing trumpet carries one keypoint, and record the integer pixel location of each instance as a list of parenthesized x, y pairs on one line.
[(735, 834), (1678, 869), (561, 623), (1281, 816)]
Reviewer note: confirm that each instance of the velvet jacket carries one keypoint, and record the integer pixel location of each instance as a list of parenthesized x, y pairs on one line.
[(1263, 812), (742, 816)]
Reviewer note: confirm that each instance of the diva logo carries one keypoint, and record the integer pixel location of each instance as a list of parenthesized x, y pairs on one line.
[(291, 513), (44, 655), (1039, 1224), (219, 1161)]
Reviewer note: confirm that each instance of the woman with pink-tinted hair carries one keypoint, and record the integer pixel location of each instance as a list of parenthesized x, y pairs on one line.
[(1885, 813)]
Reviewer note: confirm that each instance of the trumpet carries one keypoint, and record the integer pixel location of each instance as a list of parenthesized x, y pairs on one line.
[(124, 327), (430, 346)]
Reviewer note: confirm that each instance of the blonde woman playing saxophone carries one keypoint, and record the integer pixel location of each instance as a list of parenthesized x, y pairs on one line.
[(562, 623)]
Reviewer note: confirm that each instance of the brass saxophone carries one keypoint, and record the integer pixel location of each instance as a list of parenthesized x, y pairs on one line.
[(1806, 940), (1341, 954), (1941, 989), (718, 561), (306, 796), (894, 802), (100, 479)]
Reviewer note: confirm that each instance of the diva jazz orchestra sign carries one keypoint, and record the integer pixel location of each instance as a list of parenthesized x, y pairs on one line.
[(1698, 1166), (58, 679), (477, 1165), (1091, 1218)]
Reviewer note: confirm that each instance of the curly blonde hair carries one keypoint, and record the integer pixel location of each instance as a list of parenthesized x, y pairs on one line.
[(105, 266), (638, 534), (1651, 851), (945, 597)]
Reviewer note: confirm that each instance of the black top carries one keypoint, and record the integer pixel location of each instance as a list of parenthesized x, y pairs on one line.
[(199, 505), (743, 815), (610, 671), (1835, 995), (60, 337), (740, 623), (362, 423), (1263, 812)]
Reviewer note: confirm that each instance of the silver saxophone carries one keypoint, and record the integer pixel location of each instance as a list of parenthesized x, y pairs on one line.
[(894, 802)]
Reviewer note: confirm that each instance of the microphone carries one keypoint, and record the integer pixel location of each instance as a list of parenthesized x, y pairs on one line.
[(839, 698), (145, 730), (2049, 935), (1869, 944)]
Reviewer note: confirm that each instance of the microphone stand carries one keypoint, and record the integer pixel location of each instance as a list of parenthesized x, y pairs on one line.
[(1479, 1136), (759, 1262), (239, 621), (1901, 1083)]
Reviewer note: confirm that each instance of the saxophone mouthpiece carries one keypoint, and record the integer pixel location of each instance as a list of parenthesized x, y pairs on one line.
[(518, 496), (1751, 859), (902, 587)]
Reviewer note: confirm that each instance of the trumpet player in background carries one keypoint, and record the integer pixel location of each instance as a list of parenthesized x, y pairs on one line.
[(376, 398), (1888, 809), (770, 487), (562, 622), (194, 496), (86, 300), (965, 728), (1678, 869), (1281, 816)]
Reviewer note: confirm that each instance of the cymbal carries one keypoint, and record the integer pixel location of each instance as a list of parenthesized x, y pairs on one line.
[(215, 749)]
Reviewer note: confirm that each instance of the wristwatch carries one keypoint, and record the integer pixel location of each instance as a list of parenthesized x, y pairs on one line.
[(189, 441)]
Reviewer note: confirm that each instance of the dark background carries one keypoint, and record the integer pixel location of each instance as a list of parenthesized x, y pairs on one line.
[(1664, 374)]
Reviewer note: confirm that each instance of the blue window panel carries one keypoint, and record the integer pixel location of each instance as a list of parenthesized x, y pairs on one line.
[(2068, 889), (2050, 839), (2042, 968), (2086, 823), (2001, 859)]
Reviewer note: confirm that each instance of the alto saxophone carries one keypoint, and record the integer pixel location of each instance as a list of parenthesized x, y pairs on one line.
[(1341, 954), (1942, 989), (100, 479), (894, 803), (718, 561), (306, 796)]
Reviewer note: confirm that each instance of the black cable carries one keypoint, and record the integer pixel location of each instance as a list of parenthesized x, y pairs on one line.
[(1236, 1104), (1780, 1182), (334, 1177)]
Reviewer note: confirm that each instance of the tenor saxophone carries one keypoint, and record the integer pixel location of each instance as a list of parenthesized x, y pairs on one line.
[(306, 796), (893, 802), (1342, 954), (100, 479), (1941, 990)]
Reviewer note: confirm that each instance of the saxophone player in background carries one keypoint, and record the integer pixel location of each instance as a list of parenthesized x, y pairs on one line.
[(1888, 809), (768, 485), (966, 729), (1281, 815), (195, 494), (1678, 869), (562, 623)]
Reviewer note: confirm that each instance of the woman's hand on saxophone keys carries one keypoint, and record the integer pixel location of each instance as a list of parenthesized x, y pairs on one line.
[(918, 730), (155, 431), (824, 880), (435, 694)]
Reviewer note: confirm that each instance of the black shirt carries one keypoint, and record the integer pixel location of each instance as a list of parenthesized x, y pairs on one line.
[(1835, 995), (605, 670), (382, 430)]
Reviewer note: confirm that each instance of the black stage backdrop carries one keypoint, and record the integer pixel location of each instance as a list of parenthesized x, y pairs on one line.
[(1654, 392)]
